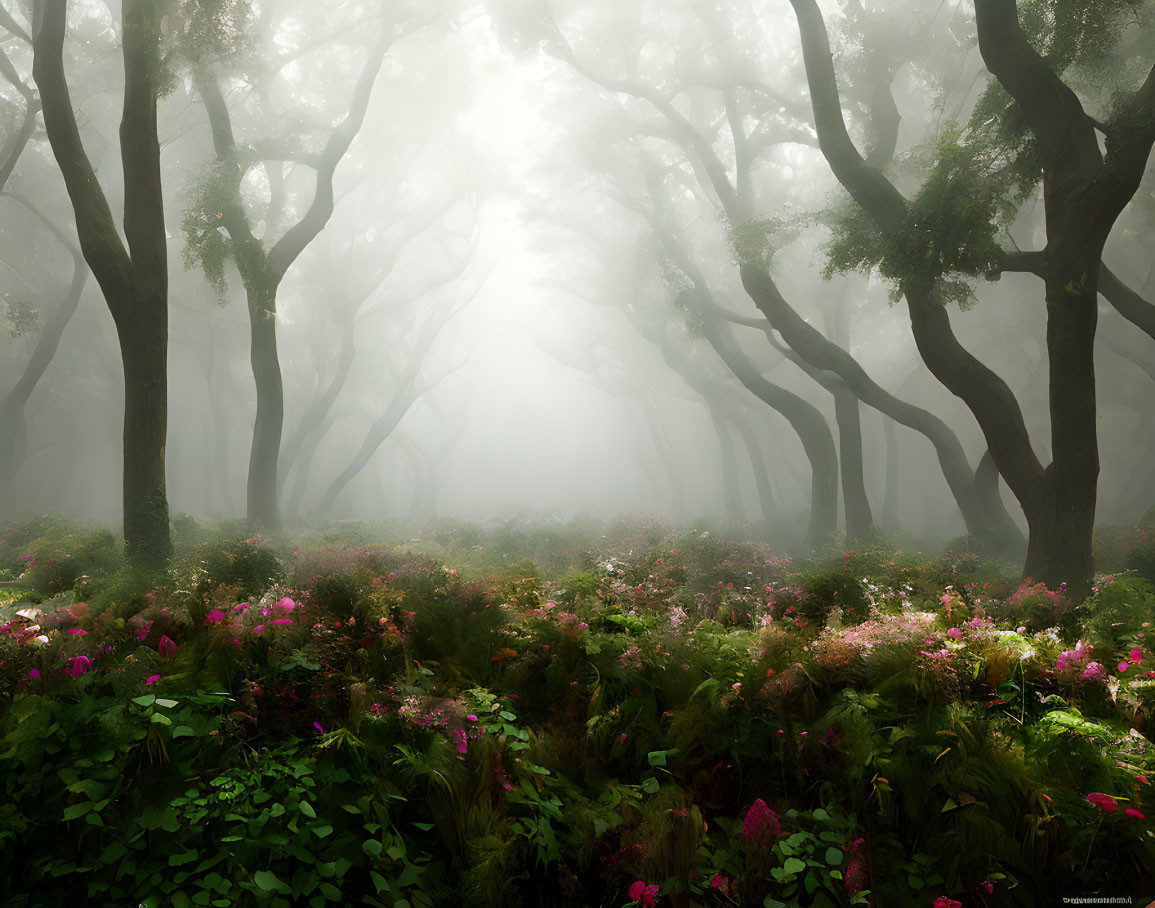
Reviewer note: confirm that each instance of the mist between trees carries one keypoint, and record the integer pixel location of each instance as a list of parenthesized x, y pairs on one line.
[(804, 269)]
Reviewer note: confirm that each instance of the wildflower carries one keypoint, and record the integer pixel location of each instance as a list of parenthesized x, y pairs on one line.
[(151, 679), (943, 902), (282, 622), (460, 740), (987, 886), (240, 607), (1136, 656), (143, 632), (166, 647), (717, 881), (34, 673), (39, 640), (761, 823), (216, 616), (284, 606), (258, 629), (647, 895), (1122, 666), (320, 728), (954, 633), (1094, 672), (854, 880), (1104, 802), (1133, 813), (78, 631), (77, 666), (471, 718)]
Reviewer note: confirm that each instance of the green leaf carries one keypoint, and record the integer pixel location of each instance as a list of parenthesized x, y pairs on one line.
[(914, 882), (167, 704), (379, 882), (322, 831), (949, 805), (650, 785), (186, 857), (145, 700), (834, 857), (77, 810), (331, 892), (267, 881), (793, 865), (821, 815), (424, 827), (372, 847), (183, 731), (307, 809)]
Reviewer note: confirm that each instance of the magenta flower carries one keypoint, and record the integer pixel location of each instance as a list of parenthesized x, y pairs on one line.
[(471, 718), (460, 740), (1136, 656), (166, 647), (1104, 802), (34, 673), (320, 728), (241, 607), (1134, 814), (954, 633), (854, 879), (717, 881), (77, 666), (282, 622), (258, 628), (143, 632), (1122, 666), (216, 616), (284, 606), (647, 895), (151, 679), (760, 824), (1094, 672), (943, 902), (77, 630)]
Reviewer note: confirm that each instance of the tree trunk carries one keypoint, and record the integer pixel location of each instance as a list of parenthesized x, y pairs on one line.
[(890, 490), (264, 514), (731, 489), (859, 522)]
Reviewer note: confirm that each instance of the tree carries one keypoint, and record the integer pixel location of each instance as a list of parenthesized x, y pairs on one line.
[(263, 265), (133, 275), (1084, 191)]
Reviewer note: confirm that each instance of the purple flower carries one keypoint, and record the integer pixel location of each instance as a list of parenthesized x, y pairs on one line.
[(34, 673), (320, 728)]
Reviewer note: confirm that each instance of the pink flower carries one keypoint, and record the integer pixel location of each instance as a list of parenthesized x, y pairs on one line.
[(760, 824), (151, 679), (282, 622), (216, 616), (954, 633), (647, 895), (1122, 666), (166, 647), (1104, 802), (1134, 814), (855, 877), (258, 628), (34, 673), (284, 606), (77, 630), (77, 666), (241, 607), (1136, 655), (471, 718), (717, 881), (987, 886), (943, 902), (320, 728), (1094, 672), (143, 632), (460, 741)]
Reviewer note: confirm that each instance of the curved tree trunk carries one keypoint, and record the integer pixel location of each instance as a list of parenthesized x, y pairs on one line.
[(890, 490), (263, 508), (859, 522)]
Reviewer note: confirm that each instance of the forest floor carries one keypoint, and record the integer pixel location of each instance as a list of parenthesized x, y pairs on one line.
[(559, 714)]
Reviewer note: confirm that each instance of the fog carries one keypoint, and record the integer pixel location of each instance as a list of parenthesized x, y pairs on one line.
[(513, 307)]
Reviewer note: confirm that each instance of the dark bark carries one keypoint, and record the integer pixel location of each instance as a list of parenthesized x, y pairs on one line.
[(859, 522), (891, 486), (134, 280)]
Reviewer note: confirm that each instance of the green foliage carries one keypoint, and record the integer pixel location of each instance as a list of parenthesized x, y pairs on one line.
[(207, 243), (949, 228), (677, 713), (61, 557)]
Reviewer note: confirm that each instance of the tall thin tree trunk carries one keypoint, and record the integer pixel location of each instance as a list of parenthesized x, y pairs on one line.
[(263, 508)]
